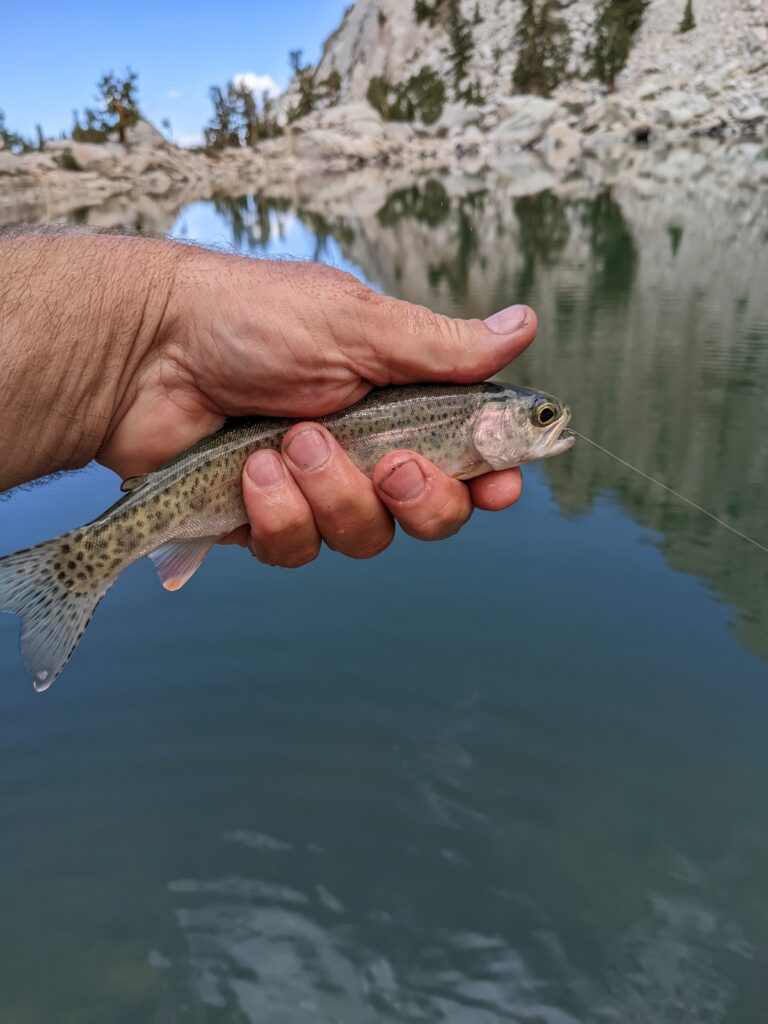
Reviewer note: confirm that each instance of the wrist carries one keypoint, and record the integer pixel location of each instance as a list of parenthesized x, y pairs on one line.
[(78, 313)]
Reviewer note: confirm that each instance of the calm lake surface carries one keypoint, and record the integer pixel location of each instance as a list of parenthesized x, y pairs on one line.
[(519, 776)]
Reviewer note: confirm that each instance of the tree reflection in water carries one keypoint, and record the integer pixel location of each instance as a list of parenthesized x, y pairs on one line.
[(658, 341)]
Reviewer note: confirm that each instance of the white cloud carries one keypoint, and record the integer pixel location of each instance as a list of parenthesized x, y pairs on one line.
[(175, 94), (189, 141), (257, 84)]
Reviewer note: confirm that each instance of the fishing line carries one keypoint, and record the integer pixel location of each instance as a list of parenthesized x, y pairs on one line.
[(671, 490)]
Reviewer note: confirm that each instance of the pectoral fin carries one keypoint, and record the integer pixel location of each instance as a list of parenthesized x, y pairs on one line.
[(131, 483), (177, 561)]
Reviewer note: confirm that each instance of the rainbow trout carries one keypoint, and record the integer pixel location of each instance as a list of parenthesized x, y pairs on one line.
[(177, 513)]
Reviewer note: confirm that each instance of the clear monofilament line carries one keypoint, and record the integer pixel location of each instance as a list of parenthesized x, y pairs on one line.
[(677, 494)]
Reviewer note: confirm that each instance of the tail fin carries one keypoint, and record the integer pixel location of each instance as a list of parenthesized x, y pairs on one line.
[(53, 617)]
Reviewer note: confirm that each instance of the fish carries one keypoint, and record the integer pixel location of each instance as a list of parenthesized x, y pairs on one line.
[(177, 513)]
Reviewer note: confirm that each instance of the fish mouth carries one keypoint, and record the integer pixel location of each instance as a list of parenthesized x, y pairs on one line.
[(558, 438)]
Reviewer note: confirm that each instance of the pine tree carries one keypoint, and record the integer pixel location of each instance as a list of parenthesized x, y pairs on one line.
[(221, 129), (118, 109), (544, 46), (688, 21), (304, 77), (8, 140), (617, 21), (462, 44), (118, 96), (240, 118)]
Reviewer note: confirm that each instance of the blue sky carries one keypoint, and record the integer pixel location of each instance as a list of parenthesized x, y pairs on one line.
[(53, 53)]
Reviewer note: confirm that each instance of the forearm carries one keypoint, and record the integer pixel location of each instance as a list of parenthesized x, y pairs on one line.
[(77, 314)]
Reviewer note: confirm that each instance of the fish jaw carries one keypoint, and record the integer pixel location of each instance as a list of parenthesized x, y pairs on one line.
[(558, 439)]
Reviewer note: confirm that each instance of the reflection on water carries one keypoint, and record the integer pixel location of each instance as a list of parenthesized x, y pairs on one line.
[(516, 777), (656, 333)]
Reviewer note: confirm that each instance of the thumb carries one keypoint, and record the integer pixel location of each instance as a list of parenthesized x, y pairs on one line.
[(402, 342)]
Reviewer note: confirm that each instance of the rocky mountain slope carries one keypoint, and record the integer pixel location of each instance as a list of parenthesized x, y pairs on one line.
[(713, 78)]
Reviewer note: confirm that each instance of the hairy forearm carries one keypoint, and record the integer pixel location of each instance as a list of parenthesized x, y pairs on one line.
[(77, 313)]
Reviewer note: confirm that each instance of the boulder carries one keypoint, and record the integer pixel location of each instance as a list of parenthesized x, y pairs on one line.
[(143, 135), (676, 109), (560, 134), (353, 131), (455, 119), (576, 97), (747, 111), (523, 120), (9, 164), (650, 89), (469, 142), (354, 120), (102, 157)]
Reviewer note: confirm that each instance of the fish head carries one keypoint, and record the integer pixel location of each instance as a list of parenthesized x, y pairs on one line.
[(516, 425)]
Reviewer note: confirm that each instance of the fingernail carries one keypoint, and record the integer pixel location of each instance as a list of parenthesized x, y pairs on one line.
[(309, 449), (265, 469), (507, 320), (405, 482)]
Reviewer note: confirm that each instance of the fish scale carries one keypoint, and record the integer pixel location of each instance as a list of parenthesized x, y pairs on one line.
[(176, 513)]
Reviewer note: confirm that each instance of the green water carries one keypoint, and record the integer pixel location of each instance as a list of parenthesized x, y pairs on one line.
[(516, 777)]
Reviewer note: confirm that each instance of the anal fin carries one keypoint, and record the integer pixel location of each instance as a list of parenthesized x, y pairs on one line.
[(178, 560)]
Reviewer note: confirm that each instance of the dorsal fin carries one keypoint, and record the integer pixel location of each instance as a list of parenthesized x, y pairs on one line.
[(132, 482)]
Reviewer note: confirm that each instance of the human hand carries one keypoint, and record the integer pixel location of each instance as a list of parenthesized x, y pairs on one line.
[(241, 337), (131, 349)]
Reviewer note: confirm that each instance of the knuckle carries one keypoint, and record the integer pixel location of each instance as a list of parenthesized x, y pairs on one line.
[(341, 506), (371, 546), (443, 522), (276, 528), (419, 320), (302, 556)]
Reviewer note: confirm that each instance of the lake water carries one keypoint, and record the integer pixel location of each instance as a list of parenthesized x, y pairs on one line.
[(519, 776)]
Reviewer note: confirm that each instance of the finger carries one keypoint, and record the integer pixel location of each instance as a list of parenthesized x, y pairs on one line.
[(495, 491), (348, 514), (390, 341), (428, 504), (283, 530)]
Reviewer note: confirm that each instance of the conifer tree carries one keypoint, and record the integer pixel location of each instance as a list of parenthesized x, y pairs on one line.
[(11, 141), (304, 76), (118, 96), (239, 118), (617, 21), (688, 21), (462, 44), (118, 109), (543, 47), (221, 132)]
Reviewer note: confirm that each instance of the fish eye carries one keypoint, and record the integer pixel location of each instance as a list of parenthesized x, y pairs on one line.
[(544, 412)]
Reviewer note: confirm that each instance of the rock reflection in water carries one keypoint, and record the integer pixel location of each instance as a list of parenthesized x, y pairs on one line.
[(654, 325), (653, 312), (277, 954)]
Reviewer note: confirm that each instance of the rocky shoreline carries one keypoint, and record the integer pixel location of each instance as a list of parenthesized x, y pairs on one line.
[(544, 139)]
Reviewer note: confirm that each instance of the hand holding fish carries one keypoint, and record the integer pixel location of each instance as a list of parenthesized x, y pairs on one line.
[(130, 350), (133, 349)]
